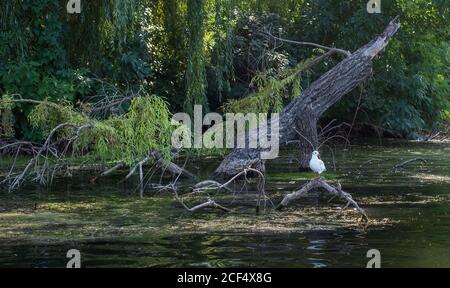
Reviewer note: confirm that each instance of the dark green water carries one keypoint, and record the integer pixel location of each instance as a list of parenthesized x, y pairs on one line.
[(112, 227)]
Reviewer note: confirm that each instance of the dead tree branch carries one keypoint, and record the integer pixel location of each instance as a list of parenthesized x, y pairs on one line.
[(108, 171), (403, 164), (17, 181), (319, 183), (208, 204), (330, 49), (170, 166)]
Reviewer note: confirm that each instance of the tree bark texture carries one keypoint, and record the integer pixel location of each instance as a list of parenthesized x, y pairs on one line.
[(305, 110)]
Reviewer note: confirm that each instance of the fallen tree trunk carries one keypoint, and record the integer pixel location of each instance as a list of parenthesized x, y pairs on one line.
[(304, 111)]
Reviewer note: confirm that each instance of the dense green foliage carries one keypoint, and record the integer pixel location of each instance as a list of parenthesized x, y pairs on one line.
[(211, 52), (120, 138), (195, 72)]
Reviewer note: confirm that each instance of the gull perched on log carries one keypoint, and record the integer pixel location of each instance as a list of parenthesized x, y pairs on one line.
[(316, 164)]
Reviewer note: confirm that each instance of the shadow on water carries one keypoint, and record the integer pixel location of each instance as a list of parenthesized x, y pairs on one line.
[(112, 227)]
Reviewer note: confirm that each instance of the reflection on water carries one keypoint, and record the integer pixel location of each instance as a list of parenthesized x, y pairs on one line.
[(114, 228)]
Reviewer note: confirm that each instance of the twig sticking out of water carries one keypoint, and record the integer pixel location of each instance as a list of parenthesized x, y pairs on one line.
[(403, 164)]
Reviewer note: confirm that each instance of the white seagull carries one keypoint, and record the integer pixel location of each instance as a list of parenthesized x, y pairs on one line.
[(316, 164)]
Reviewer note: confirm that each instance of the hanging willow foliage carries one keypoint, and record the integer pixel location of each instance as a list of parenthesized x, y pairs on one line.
[(195, 71), (274, 86), (124, 138), (11, 31), (223, 54), (172, 24), (101, 23), (123, 19)]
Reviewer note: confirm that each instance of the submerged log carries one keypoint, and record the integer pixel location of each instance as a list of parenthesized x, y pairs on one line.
[(304, 111)]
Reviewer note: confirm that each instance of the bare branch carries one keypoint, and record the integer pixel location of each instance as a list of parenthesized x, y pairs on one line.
[(17, 181), (319, 183), (108, 171), (331, 49)]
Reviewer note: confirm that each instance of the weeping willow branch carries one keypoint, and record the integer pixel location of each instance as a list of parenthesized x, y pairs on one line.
[(195, 71), (119, 139), (222, 58), (274, 86)]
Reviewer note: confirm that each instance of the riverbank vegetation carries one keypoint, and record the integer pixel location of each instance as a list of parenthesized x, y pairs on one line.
[(102, 85), (213, 53), (87, 160)]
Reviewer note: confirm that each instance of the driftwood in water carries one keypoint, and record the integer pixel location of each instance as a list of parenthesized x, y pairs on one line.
[(319, 183), (211, 185), (304, 111)]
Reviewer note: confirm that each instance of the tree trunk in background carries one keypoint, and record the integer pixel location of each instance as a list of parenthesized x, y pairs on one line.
[(304, 111)]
